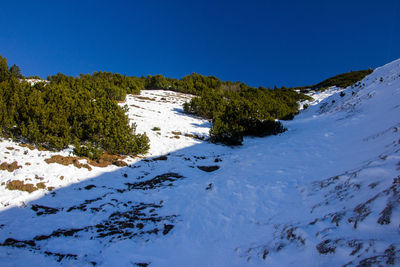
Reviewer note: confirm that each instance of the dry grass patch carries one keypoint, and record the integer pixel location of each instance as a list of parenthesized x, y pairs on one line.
[(41, 185), (145, 98), (21, 186), (107, 160), (67, 161), (9, 167), (38, 177), (31, 147), (135, 106), (194, 136), (104, 161)]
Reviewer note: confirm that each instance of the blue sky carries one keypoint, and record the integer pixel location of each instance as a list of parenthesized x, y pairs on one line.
[(262, 43)]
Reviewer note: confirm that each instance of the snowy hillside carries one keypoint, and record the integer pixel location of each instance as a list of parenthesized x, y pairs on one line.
[(324, 193)]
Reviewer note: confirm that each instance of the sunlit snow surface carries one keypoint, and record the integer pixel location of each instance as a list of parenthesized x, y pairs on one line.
[(324, 193)]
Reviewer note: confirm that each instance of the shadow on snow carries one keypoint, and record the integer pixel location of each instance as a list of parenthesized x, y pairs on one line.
[(79, 221)]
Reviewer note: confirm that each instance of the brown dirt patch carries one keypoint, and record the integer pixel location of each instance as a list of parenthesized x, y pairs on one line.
[(9, 167)]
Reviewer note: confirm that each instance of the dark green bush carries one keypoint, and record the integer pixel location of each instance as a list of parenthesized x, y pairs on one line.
[(240, 118), (88, 150), (342, 80), (67, 111)]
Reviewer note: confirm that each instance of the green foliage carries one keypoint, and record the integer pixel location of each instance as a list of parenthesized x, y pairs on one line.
[(15, 71), (83, 110), (239, 118), (4, 71), (226, 133), (102, 84), (157, 82), (191, 84), (342, 80), (215, 98), (238, 110), (156, 129), (34, 77), (207, 105), (78, 111), (89, 151)]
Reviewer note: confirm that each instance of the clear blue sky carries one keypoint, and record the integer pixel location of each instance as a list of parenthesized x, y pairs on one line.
[(263, 43)]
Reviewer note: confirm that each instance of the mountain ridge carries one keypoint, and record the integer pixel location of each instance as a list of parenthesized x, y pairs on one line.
[(323, 193)]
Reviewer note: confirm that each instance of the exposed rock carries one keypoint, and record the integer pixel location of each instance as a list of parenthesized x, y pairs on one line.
[(208, 168)]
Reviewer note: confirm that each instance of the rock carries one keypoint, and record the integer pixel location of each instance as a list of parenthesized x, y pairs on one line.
[(208, 168), (167, 228)]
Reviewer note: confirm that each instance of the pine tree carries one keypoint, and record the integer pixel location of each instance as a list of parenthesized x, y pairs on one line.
[(4, 72)]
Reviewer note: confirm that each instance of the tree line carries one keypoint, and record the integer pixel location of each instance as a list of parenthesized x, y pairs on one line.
[(79, 111), (82, 111)]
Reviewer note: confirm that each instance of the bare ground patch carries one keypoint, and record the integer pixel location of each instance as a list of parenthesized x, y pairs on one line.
[(21, 186), (9, 167), (104, 161)]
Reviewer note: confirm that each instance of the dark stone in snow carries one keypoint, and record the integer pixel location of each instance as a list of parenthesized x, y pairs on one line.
[(167, 228), (208, 168)]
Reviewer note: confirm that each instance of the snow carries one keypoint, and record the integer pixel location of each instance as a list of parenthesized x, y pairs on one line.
[(34, 81), (318, 96), (313, 195), (163, 109)]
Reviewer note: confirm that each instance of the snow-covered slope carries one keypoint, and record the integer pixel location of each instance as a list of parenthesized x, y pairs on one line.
[(324, 193), (163, 110)]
